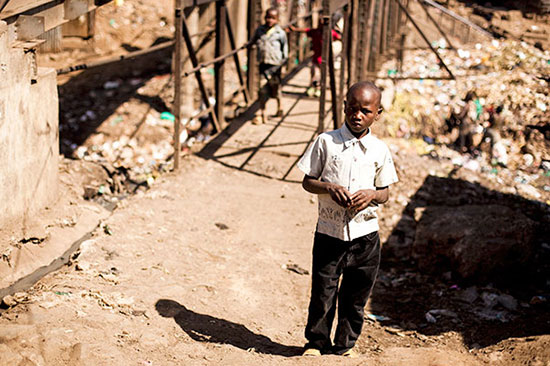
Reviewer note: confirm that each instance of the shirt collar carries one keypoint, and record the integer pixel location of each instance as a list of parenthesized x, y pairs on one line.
[(348, 139)]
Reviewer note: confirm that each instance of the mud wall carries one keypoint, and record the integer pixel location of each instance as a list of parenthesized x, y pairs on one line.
[(29, 135)]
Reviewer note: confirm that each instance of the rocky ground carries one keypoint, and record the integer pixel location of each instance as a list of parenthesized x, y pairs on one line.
[(188, 270)]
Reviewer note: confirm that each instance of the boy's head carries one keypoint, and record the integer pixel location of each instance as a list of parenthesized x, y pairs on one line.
[(362, 107), (271, 17)]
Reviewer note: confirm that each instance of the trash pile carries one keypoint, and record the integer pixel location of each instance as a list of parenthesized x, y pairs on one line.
[(125, 127), (500, 79)]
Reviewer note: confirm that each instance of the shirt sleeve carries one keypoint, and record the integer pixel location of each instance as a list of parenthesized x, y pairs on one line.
[(284, 45), (385, 174), (312, 161), (257, 35)]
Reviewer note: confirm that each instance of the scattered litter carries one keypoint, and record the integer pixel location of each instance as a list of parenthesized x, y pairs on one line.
[(167, 116), (377, 318), (469, 295), (107, 230), (431, 315), (111, 85), (508, 302), (538, 299), (430, 318), (396, 331)]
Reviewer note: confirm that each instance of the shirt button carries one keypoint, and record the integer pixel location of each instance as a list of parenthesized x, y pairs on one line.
[(354, 159)]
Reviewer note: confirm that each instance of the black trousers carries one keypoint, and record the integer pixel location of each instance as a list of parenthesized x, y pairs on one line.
[(357, 262)]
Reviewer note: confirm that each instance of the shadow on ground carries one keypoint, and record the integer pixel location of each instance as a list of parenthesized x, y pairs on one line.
[(405, 294), (207, 328)]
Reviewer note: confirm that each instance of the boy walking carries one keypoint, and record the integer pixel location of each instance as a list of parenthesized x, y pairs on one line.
[(350, 170), (272, 54), (316, 35)]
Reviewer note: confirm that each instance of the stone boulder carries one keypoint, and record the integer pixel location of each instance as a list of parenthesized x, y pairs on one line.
[(472, 240)]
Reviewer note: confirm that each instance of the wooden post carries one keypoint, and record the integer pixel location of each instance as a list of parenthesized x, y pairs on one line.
[(177, 80), (374, 25), (384, 28), (352, 49), (195, 62), (221, 16), (327, 33), (301, 51), (332, 78), (252, 64), (90, 17), (344, 60), (291, 36), (233, 45), (366, 21)]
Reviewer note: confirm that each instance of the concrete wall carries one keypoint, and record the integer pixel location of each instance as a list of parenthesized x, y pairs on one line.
[(29, 134)]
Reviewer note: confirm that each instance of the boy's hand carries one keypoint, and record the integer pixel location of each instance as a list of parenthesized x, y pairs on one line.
[(339, 194), (361, 199)]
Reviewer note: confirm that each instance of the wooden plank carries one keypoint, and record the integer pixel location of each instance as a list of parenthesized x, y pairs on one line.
[(333, 92), (327, 38), (254, 14), (29, 27), (352, 51), (53, 17), (344, 59), (15, 7), (76, 8), (53, 39), (221, 16), (178, 37), (374, 25)]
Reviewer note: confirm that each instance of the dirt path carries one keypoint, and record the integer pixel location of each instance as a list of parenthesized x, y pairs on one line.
[(193, 273), (207, 268)]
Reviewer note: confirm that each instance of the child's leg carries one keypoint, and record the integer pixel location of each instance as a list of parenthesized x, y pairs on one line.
[(276, 91), (362, 261), (263, 94), (315, 74), (327, 255)]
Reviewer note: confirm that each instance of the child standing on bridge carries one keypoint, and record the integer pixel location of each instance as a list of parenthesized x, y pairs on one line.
[(272, 54), (350, 170), (316, 35)]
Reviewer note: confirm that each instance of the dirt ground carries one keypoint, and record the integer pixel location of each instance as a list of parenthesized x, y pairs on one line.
[(197, 272), (210, 265)]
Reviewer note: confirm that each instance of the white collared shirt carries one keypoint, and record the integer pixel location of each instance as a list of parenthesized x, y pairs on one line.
[(339, 157)]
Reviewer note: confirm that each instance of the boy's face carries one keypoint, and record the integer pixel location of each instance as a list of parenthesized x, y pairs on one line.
[(362, 108), (271, 18)]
